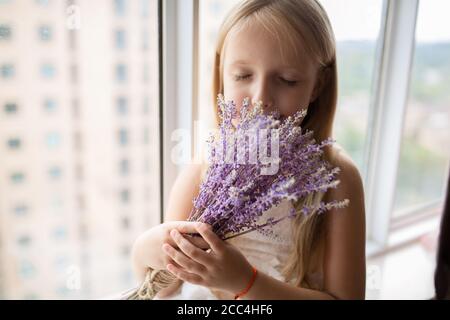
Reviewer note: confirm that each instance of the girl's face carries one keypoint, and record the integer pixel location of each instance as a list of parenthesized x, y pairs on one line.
[(254, 67)]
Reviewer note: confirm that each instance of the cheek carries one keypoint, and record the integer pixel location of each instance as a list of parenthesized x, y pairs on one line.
[(236, 95)]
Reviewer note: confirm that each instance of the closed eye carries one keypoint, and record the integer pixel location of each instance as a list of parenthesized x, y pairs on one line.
[(290, 83), (241, 77)]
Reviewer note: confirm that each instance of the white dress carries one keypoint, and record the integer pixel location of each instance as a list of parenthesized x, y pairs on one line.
[(266, 253)]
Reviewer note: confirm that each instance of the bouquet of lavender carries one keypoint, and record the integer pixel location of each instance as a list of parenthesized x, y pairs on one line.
[(256, 161)]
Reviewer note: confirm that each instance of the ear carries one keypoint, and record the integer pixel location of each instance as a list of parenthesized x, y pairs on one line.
[(322, 79)]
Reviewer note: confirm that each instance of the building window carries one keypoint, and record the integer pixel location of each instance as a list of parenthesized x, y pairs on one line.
[(60, 233), (5, 32), (50, 105), (120, 7), (20, 210), (124, 167), (27, 269), (122, 105), (126, 250), (146, 135), (48, 71), (53, 140), (14, 143), (24, 241), (125, 196), (123, 137), (145, 74), (7, 71), (74, 73), (56, 203), (121, 73), (43, 3), (120, 39), (10, 108), (145, 9), (54, 173), (62, 263), (17, 177), (45, 33), (145, 106), (125, 223), (145, 40)]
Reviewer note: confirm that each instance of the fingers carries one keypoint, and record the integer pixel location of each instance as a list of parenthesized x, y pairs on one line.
[(188, 228), (190, 250), (215, 243), (197, 241), (185, 276), (182, 260)]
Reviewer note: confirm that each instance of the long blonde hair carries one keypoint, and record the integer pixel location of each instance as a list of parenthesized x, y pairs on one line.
[(307, 21)]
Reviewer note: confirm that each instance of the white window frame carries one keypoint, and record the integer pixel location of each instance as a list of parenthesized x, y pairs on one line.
[(387, 118), (179, 82)]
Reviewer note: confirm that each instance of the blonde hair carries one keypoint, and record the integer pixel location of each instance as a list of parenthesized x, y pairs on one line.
[(298, 20)]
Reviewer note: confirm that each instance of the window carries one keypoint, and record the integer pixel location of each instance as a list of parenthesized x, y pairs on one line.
[(18, 177), (50, 105), (43, 3), (62, 263), (7, 71), (59, 234), (14, 143), (10, 108), (120, 7), (123, 137), (145, 8), (425, 152), (145, 106), (122, 105), (145, 40), (54, 173), (47, 71), (45, 33), (124, 167), (120, 39), (5, 32), (121, 73), (27, 270), (24, 241), (53, 140), (356, 59), (21, 210), (125, 196), (125, 223), (146, 135)]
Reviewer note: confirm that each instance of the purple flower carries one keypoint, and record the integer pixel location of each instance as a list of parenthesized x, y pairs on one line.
[(256, 163)]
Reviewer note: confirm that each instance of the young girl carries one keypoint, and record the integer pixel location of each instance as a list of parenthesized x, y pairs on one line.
[(283, 53)]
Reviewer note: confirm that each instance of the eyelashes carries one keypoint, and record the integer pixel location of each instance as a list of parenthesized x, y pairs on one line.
[(245, 77)]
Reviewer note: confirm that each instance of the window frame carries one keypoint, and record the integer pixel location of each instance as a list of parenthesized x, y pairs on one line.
[(178, 82)]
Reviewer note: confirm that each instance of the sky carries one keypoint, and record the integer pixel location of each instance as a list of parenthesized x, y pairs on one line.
[(433, 22)]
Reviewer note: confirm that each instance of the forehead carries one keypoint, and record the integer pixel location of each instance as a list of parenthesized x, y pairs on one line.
[(259, 43)]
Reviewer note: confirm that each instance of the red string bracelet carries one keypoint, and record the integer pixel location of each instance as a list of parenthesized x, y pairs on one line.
[(249, 284)]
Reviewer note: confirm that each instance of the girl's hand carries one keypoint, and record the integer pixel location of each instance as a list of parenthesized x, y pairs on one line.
[(222, 266), (147, 251)]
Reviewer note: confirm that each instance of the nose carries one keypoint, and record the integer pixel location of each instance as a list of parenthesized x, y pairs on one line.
[(264, 95)]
